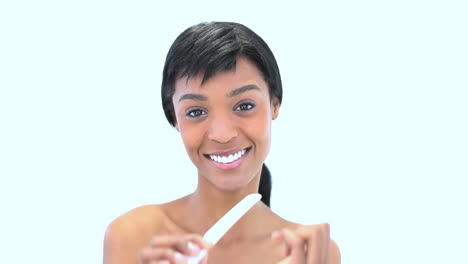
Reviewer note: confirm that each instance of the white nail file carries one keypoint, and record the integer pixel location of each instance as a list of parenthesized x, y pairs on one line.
[(217, 231)]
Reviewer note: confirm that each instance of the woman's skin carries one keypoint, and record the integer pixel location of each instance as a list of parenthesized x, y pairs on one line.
[(230, 112)]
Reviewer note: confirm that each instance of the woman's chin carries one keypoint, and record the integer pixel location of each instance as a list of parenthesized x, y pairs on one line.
[(229, 183)]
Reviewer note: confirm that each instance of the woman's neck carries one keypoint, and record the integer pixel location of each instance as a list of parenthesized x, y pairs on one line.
[(206, 208), (197, 212)]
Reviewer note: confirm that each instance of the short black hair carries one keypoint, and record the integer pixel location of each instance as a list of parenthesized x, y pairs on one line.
[(210, 48)]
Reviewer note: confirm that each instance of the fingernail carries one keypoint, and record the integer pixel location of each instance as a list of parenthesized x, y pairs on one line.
[(193, 249), (275, 234), (179, 257)]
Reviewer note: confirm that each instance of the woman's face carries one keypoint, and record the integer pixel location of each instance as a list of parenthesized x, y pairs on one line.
[(225, 124)]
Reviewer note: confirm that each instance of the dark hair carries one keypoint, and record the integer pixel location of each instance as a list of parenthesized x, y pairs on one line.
[(210, 48)]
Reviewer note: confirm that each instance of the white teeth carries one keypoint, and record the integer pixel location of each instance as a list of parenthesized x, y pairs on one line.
[(228, 159)]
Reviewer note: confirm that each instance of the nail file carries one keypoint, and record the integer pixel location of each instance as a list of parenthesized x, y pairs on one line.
[(217, 231)]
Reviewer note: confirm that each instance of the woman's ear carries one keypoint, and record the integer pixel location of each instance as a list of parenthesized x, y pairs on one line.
[(275, 106)]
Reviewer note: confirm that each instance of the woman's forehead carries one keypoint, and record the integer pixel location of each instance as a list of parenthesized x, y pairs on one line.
[(245, 73)]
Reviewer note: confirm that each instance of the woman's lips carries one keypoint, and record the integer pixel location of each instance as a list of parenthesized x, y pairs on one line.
[(228, 162)]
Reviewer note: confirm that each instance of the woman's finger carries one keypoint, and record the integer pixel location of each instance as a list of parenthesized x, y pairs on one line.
[(189, 245), (285, 261), (204, 260), (198, 240), (318, 240), (295, 245), (151, 255), (160, 262)]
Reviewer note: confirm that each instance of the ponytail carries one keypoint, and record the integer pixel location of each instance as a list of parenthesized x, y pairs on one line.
[(265, 185)]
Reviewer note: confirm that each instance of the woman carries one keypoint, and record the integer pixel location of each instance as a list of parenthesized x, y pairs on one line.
[(221, 89)]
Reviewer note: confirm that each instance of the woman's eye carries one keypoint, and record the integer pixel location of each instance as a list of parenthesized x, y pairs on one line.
[(195, 113), (245, 107)]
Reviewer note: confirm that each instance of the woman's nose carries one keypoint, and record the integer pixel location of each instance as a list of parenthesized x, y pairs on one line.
[(222, 130)]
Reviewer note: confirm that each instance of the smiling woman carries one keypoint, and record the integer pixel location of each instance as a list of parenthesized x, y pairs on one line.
[(221, 89), (228, 116)]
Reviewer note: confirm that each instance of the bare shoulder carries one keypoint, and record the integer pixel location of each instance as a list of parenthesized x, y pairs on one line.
[(130, 232), (139, 218)]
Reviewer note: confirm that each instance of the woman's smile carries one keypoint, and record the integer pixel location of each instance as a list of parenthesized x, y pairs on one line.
[(228, 160), (225, 123)]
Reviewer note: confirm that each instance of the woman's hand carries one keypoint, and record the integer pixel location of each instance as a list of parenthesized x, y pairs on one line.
[(172, 249), (307, 245)]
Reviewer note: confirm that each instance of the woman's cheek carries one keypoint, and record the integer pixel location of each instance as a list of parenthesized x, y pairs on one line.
[(259, 129), (190, 135), (262, 122)]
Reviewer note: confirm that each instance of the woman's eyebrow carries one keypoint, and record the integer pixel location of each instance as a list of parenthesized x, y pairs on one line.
[(237, 91), (243, 89), (192, 96)]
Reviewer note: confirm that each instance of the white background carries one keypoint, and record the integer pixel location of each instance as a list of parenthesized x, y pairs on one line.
[(372, 134)]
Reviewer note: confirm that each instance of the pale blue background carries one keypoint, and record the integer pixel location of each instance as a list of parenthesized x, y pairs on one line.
[(372, 135)]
